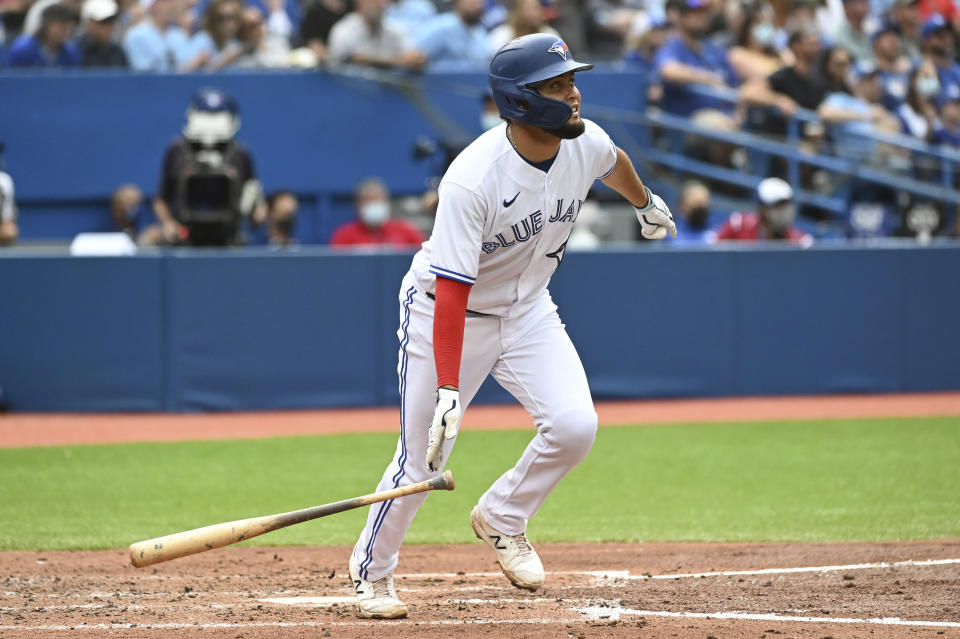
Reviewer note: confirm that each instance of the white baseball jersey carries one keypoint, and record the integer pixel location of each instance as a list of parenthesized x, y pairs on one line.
[(502, 225)]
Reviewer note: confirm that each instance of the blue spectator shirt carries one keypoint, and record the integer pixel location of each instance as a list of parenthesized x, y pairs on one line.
[(409, 16), (711, 57), (853, 139), (949, 83), (946, 137), (894, 85), (202, 42), (27, 52), (450, 45), (150, 50)]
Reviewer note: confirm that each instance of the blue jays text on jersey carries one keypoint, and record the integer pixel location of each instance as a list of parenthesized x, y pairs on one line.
[(531, 225)]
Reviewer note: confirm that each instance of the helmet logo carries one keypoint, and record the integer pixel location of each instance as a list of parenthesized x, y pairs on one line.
[(560, 48)]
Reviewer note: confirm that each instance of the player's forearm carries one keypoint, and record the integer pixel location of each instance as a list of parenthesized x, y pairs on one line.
[(449, 319), (625, 181)]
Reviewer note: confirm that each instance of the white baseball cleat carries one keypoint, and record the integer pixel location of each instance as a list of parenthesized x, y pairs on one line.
[(377, 599), (517, 558)]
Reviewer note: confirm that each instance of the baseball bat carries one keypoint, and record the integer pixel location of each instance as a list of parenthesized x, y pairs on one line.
[(181, 544)]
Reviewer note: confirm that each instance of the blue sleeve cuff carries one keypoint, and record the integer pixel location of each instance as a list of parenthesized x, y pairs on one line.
[(452, 275)]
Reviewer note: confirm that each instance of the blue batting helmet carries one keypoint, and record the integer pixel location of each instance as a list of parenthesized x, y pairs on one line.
[(526, 61)]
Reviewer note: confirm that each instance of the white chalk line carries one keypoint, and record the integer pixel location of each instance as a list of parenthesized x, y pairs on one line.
[(602, 613), (587, 615), (785, 571), (614, 575)]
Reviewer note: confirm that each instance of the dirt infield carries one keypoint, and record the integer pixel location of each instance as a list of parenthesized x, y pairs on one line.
[(63, 429), (593, 590), (768, 591)]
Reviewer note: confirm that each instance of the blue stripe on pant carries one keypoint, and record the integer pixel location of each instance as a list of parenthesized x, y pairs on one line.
[(385, 506)]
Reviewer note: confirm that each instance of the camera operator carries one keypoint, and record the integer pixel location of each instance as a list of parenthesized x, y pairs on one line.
[(208, 184)]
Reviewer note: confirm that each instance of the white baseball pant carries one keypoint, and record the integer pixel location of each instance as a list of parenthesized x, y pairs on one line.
[(533, 358)]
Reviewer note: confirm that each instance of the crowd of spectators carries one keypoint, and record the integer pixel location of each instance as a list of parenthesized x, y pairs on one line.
[(858, 68)]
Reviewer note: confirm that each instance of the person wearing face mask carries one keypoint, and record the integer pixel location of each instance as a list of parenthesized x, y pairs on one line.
[(918, 113), (693, 221), (373, 225), (282, 209), (754, 57), (773, 219)]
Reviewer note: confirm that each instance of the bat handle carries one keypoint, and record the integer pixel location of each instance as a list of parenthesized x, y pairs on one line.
[(443, 482)]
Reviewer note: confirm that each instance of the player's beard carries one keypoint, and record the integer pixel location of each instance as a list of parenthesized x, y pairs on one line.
[(569, 130)]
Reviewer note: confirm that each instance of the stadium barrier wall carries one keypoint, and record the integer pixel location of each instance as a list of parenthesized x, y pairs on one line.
[(72, 138), (247, 330)]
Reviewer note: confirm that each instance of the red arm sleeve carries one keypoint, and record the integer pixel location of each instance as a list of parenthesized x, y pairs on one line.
[(449, 317)]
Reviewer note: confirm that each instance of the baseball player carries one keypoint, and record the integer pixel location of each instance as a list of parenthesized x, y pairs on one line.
[(475, 303)]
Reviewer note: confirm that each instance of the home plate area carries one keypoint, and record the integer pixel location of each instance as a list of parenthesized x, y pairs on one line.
[(906, 589)]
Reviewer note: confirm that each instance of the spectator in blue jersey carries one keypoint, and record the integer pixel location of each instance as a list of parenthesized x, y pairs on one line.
[(938, 47), (51, 46), (158, 43), (455, 40), (97, 48), (947, 132), (689, 59), (893, 67)]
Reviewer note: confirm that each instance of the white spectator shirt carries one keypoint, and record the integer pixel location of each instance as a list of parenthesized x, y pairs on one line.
[(8, 212), (351, 35), (502, 225)]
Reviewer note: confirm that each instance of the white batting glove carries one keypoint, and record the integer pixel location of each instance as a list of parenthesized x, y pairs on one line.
[(655, 218), (446, 421)]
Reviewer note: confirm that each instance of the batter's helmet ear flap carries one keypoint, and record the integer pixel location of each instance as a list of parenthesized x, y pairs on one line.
[(526, 61)]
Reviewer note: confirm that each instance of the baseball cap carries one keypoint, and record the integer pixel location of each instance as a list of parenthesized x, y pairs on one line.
[(773, 190), (933, 24), (99, 10)]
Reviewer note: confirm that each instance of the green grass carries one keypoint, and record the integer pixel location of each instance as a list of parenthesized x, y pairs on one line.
[(880, 479)]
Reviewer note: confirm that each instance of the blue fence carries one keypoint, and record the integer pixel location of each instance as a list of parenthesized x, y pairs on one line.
[(230, 330)]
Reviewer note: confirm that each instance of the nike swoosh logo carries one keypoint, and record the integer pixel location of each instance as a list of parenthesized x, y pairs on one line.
[(506, 204)]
